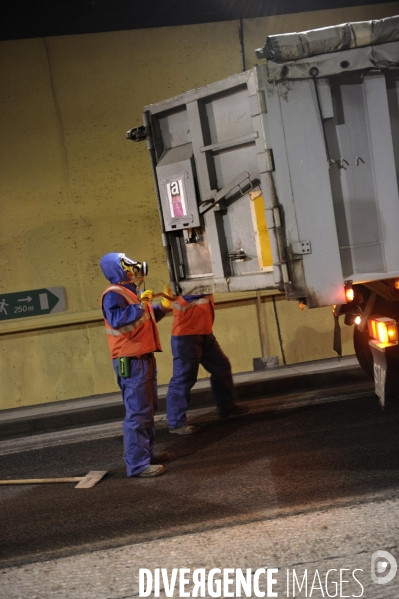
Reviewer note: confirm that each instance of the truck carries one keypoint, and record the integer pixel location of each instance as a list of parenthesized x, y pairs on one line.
[(285, 177)]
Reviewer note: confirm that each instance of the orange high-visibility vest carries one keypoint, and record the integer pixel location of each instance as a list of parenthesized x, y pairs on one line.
[(138, 338), (193, 318)]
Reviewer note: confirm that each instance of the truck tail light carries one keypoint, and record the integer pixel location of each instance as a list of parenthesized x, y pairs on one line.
[(384, 330), (349, 293)]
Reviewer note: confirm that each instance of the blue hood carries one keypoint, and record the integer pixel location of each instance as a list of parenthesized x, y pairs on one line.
[(112, 269)]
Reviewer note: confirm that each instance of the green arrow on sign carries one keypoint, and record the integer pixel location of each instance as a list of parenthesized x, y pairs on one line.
[(32, 303)]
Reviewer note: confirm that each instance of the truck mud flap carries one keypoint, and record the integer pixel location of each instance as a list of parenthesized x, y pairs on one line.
[(380, 371)]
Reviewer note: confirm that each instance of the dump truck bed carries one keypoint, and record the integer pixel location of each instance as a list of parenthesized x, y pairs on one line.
[(285, 176)]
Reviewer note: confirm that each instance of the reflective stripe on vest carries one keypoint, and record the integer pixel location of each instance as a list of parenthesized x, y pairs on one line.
[(129, 327), (193, 318), (138, 338), (202, 300)]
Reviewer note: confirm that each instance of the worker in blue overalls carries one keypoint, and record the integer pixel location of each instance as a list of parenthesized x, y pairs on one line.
[(193, 343), (132, 335)]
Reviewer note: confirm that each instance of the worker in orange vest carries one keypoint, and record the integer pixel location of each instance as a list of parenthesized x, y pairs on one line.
[(193, 343), (132, 335)]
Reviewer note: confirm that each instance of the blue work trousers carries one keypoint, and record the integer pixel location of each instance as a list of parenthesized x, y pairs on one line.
[(140, 396), (189, 351)]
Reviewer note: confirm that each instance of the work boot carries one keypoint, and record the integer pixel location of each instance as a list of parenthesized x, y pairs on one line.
[(234, 410), (160, 456), (150, 472), (186, 429)]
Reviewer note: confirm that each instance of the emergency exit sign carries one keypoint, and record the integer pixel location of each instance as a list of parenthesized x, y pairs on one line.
[(31, 303)]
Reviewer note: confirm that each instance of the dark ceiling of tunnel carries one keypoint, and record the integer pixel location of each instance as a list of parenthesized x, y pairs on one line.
[(42, 18)]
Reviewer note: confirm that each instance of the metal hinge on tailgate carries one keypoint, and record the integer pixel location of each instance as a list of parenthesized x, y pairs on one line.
[(266, 161)]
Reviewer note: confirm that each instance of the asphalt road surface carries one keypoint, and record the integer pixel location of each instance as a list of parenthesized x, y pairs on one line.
[(299, 471)]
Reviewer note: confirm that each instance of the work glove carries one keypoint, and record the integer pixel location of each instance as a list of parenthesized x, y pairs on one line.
[(167, 304), (147, 296)]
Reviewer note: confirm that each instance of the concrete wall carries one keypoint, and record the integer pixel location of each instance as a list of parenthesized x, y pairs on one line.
[(72, 188)]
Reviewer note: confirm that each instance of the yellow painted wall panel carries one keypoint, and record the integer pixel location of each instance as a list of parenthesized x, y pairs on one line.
[(234, 329), (305, 335), (237, 332), (72, 188)]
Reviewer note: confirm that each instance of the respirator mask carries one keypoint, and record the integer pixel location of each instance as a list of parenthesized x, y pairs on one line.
[(135, 271)]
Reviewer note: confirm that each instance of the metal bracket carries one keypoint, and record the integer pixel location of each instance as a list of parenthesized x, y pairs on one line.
[(250, 188), (219, 195), (138, 133), (341, 163), (301, 247), (237, 255)]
